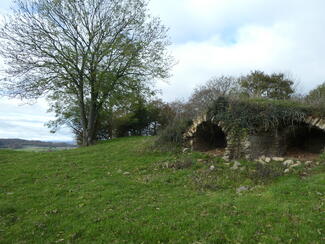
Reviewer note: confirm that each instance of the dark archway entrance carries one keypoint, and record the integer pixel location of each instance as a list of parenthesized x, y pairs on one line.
[(305, 141), (209, 137)]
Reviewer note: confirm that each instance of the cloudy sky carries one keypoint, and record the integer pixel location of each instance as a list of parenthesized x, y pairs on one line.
[(211, 38)]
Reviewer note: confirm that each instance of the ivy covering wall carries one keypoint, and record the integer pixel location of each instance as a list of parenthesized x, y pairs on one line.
[(256, 115)]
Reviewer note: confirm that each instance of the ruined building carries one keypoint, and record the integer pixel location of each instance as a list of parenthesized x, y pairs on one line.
[(252, 128)]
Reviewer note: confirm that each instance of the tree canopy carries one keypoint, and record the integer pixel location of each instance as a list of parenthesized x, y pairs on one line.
[(317, 95), (82, 53), (276, 86)]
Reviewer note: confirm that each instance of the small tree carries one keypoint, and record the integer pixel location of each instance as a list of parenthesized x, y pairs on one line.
[(204, 96), (82, 52), (317, 96), (259, 84)]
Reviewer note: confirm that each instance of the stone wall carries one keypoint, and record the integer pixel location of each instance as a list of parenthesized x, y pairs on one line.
[(241, 144), (272, 143)]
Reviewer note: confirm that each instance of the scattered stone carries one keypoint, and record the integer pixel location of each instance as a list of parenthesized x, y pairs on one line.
[(236, 165), (242, 189), (295, 165), (227, 164), (186, 150), (308, 163), (263, 158), (288, 162), (286, 171), (126, 173), (10, 193), (278, 159), (267, 159), (119, 171), (226, 158), (212, 167)]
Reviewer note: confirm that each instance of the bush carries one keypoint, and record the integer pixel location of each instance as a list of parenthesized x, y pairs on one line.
[(173, 133)]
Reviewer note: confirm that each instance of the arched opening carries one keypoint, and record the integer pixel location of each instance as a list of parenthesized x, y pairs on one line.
[(209, 137), (304, 141)]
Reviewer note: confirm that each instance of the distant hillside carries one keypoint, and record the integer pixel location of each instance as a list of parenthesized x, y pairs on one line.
[(19, 144)]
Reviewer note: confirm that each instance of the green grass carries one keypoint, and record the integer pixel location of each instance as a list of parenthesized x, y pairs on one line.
[(118, 192)]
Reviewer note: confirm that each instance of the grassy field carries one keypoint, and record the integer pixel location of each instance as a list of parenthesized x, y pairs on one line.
[(120, 192)]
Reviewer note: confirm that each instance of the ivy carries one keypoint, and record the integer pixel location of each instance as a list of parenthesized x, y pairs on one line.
[(257, 115)]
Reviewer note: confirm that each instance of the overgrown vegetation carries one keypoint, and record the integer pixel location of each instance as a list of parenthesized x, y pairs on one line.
[(121, 192), (255, 102), (261, 114)]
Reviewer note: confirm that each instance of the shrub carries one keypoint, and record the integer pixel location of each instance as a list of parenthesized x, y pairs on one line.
[(173, 133)]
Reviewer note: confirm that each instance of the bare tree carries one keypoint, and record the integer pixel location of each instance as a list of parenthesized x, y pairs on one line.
[(203, 96), (82, 50)]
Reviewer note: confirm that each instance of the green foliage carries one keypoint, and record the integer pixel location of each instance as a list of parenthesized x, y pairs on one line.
[(173, 133), (82, 54), (103, 193), (261, 114), (141, 118), (259, 84), (317, 96)]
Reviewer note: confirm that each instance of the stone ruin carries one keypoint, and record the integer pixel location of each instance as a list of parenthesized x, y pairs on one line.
[(304, 138)]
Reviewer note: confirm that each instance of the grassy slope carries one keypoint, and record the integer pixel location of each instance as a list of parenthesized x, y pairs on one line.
[(85, 196)]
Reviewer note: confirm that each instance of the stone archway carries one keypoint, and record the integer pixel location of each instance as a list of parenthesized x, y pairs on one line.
[(302, 139), (306, 139), (209, 136)]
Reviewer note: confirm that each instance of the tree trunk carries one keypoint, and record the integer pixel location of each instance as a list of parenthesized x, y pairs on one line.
[(84, 124), (93, 115)]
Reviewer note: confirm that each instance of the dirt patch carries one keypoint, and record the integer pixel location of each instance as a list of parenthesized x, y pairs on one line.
[(297, 153), (219, 152)]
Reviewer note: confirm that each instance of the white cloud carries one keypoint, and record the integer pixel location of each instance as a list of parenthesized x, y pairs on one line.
[(27, 121), (233, 37)]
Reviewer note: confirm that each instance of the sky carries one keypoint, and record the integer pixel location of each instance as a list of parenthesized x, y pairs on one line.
[(212, 38)]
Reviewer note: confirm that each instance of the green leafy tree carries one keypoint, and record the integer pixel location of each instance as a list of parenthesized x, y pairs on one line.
[(259, 84), (82, 53), (143, 118), (119, 103)]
